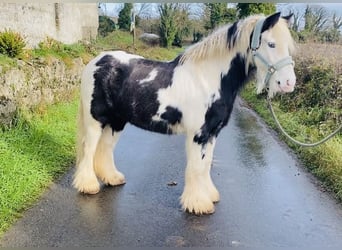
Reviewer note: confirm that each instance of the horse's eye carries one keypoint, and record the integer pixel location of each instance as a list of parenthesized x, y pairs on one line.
[(271, 45)]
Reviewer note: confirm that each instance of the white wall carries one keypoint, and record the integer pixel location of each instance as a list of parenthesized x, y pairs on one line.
[(65, 22)]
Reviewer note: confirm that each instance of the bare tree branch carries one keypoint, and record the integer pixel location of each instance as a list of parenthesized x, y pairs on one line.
[(143, 9), (336, 21)]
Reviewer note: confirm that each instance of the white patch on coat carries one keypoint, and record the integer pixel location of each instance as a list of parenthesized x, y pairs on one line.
[(151, 76), (193, 92), (122, 56)]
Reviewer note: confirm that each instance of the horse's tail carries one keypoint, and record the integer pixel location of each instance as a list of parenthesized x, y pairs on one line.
[(80, 134)]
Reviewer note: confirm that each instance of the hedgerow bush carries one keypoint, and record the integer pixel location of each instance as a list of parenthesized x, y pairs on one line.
[(318, 94), (11, 43), (312, 111)]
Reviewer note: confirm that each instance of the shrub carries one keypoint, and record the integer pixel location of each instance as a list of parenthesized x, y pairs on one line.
[(50, 44), (11, 43), (317, 96)]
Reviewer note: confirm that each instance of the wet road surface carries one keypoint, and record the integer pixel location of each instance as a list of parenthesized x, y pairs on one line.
[(267, 200)]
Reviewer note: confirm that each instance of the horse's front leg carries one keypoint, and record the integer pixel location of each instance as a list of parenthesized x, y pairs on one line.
[(199, 191), (208, 158)]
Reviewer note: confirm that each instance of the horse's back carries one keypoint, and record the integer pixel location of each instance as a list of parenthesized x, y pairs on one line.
[(120, 87), (105, 58)]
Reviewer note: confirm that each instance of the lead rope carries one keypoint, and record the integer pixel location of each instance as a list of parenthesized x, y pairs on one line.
[(255, 43), (294, 140)]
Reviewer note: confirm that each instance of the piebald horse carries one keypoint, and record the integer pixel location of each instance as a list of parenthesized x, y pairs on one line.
[(192, 94)]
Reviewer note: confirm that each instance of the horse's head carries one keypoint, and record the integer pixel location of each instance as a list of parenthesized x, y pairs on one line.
[(271, 47)]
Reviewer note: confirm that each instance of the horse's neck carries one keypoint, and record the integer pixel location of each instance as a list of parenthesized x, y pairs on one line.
[(216, 67)]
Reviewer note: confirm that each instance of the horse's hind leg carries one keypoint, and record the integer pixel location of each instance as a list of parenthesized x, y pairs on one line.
[(104, 163), (85, 179)]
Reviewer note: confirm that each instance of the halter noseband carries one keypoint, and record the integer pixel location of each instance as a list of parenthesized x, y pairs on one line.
[(255, 44)]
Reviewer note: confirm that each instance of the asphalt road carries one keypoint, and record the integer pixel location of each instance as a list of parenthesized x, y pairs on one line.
[(267, 198)]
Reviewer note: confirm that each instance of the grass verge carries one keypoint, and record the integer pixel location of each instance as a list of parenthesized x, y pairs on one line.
[(324, 161), (34, 153), (124, 41)]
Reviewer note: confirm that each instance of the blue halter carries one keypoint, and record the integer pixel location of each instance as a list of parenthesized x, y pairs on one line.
[(255, 44)]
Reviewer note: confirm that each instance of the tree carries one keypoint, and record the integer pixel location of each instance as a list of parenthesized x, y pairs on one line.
[(332, 33), (175, 24), (315, 18), (336, 22), (106, 25), (297, 16), (183, 23), (168, 28), (124, 20), (149, 25), (246, 9), (218, 13), (143, 10)]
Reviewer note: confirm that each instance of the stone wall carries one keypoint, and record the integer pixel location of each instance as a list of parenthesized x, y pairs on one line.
[(46, 80), (28, 85), (65, 22)]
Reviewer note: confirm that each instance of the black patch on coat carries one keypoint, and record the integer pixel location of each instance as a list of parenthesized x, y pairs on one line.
[(270, 21), (250, 40), (288, 17), (268, 24), (232, 35), (172, 115), (118, 97), (218, 113), (109, 78)]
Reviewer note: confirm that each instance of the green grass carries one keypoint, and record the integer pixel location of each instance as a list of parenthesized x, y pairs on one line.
[(124, 41), (324, 161), (6, 62), (33, 154), (65, 52)]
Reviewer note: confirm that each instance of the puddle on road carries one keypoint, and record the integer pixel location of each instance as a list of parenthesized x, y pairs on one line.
[(250, 141)]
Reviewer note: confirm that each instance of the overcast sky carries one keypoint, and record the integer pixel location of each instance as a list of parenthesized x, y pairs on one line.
[(333, 7), (114, 8)]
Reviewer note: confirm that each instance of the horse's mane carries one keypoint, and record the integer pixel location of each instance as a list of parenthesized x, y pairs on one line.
[(228, 38)]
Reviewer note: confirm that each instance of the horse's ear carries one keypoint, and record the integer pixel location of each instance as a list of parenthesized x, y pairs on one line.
[(270, 21), (288, 18)]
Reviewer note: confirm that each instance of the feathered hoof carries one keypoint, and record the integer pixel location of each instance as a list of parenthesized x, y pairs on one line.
[(115, 179), (197, 204), (88, 188), (86, 185), (214, 194)]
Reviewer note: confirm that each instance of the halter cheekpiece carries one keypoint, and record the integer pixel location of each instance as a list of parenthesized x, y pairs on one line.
[(255, 44)]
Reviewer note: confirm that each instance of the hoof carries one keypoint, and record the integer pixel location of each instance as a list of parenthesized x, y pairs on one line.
[(214, 195), (197, 204), (87, 188), (91, 191), (115, 179), (87, 184)]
